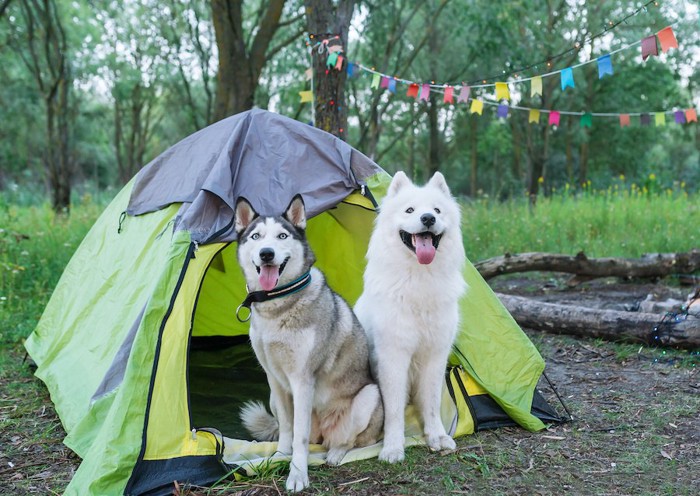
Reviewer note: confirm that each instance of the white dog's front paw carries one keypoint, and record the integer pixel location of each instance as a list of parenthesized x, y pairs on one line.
[(297, 480), (335, 456), (441, 443), (391, 454)]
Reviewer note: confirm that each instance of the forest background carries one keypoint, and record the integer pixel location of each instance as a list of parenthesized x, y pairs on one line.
[(91, 90)]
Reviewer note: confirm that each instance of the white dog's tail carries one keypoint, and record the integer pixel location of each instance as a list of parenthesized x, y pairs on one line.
[(259, 422)]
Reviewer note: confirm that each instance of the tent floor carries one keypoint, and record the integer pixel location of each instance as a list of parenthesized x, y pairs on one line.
[(223, 376)]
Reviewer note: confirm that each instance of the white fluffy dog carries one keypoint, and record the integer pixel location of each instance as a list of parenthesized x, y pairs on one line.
[(409, 307)]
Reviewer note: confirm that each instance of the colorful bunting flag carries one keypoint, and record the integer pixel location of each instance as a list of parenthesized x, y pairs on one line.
[(502, 111), (645, 119), (667, 39), (332, 59), (587, 120), (392, 85), (604, 66), (350, 69), (502, 92), (567, 78), (534, 116), (384, 83), (339, 63), (554, 118), (412, 90), (306, 96), (679, 116), (464, 94), (477, 107), (624, 120), (660, 119), (376, 79), (536, 86), (449, 92), (691, 115), (425, 91), (649, 47)]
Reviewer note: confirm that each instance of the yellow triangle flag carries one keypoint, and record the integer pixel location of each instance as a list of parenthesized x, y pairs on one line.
[(660, 119), (502, 92), (477, 107), (536, 86), (306, 96), (534, 116)]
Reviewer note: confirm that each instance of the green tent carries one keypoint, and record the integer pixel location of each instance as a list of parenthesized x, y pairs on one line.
[(131, 344)]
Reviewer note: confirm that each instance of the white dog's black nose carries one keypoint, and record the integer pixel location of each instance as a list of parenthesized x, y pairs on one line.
[(427, 219), (267, 254)]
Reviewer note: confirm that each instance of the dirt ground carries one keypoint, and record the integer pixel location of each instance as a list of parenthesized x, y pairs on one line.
[(636, 427)]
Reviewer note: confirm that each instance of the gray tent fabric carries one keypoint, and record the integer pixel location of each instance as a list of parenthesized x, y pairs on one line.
[(266, 157)]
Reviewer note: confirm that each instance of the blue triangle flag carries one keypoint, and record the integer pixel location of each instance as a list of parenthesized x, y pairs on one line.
[(604, 66), (567, 78)]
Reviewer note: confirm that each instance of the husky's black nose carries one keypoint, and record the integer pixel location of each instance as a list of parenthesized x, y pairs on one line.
[(427, 219), (267, 254)]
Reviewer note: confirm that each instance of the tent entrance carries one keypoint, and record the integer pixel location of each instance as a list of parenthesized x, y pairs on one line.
[(224, 374)]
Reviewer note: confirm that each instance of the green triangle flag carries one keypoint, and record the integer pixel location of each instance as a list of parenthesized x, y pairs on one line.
[(587, 120)]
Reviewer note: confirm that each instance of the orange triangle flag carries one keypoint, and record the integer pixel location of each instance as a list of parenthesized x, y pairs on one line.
[(691, 115), (667, 39), (624, 120)]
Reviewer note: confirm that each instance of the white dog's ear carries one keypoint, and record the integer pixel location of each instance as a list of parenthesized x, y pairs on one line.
[(296, 212), (244, 214), (399, 181), (438, 181)]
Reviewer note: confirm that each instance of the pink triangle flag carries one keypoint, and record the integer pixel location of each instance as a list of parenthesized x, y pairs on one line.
[(464, 94), (425, 91), (554, 118)]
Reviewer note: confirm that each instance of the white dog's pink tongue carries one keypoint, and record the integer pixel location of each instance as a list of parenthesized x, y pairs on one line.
[(425, 251), (269, 275)]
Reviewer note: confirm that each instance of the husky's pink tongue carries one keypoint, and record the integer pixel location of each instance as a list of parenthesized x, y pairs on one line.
[(425, 251), (269, 275)]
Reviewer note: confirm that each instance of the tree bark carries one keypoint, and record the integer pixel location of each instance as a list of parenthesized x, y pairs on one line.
[(240, 63), (652, 265), (329, 21), (611, 325)]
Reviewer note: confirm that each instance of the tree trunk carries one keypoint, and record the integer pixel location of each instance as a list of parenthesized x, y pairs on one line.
[(240, 63), (612, 325), (329, 21), (652, 265)]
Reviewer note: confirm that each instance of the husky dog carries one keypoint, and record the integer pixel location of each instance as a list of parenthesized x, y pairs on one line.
[(409, 307), (311, 345)]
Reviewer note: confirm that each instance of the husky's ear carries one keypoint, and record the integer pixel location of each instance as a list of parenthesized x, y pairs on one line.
[(244, 214), (438, 181), (399, 181), (296, 212)]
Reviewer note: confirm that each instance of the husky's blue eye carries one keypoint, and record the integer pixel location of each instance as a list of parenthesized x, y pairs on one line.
[(437, 210), (255, 236), (283, 236), (409, 210)]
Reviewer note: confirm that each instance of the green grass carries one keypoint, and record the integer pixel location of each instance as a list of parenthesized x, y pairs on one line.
[(609, 223)]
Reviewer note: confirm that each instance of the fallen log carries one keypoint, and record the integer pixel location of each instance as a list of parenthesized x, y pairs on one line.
[(649, 266), (611, 325)]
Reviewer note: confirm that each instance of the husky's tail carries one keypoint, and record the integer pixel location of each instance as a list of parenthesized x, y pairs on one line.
[(259, 422)]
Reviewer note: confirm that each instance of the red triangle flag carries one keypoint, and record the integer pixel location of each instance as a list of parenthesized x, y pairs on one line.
[(412, 90), (624, 120), (449, 94), (667, 39)]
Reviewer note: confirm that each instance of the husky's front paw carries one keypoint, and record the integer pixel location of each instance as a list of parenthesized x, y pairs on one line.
[(297, 480), (441, 443), (391, 454), (335, 456)]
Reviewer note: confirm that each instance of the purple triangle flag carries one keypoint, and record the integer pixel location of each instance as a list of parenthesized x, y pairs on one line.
[(645, 119), (680, 116), (567, 78), (384, 83), (425, 91), (649, 47), (502, 111), (464, 94), (604, 66)]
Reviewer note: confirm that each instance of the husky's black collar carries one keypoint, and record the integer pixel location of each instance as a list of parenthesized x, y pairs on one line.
[(260, 296)]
